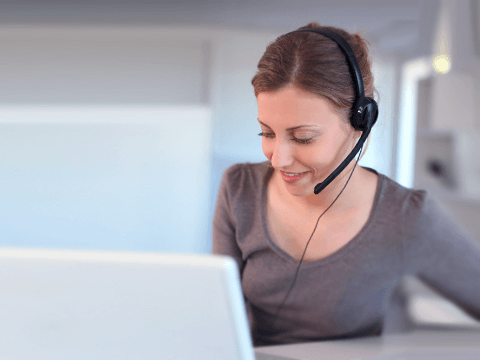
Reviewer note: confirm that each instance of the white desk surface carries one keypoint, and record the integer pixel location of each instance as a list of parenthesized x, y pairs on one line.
[(419, 344)]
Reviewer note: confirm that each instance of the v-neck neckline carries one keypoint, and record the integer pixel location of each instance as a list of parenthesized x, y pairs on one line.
[(329, 258)]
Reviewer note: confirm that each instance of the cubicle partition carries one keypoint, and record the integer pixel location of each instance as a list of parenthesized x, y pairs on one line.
[(105, 177)]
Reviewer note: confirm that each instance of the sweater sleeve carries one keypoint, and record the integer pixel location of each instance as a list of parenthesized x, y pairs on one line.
[(224, 223), (446, 257)]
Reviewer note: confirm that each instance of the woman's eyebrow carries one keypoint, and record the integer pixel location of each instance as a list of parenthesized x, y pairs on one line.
[(261, 123), (289, 129)]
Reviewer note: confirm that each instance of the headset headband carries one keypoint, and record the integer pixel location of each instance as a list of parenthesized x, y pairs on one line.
[(349, 55)]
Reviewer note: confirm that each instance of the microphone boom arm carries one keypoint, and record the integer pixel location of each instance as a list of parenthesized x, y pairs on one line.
[(320, 186)]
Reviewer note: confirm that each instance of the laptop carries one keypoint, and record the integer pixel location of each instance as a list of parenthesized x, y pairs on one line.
[(71, 304)]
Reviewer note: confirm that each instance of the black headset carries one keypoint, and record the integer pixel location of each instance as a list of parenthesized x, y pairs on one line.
[(364, 111)]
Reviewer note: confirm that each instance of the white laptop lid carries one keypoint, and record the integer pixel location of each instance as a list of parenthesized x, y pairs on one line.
[(111, 305)]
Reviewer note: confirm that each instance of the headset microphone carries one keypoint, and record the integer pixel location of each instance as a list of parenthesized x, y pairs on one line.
[(364, 111), (319, 187)]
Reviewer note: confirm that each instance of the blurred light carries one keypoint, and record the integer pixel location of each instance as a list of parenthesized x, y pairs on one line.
[(441, 64)]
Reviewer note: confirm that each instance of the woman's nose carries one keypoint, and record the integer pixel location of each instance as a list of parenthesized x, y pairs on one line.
[(281, 155)]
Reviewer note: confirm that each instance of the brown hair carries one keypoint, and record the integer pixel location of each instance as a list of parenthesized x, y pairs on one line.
[(315, 63)]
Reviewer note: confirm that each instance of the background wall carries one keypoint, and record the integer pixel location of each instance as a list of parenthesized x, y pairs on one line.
[(89, 156), (448, 126), (152, 104)]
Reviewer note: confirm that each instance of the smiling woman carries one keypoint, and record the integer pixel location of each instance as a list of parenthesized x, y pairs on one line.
[(302, 134), (324, 265)]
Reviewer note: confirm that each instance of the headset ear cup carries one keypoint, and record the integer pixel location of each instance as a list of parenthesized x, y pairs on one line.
[(365, 115), (372, 112), (369, 116), (356, 117)]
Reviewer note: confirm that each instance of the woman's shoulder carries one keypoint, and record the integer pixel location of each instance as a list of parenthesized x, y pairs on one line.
[(394, 193), (414, 214), (399, 204)]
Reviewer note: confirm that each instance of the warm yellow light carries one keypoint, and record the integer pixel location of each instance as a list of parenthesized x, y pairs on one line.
[(441, 64)]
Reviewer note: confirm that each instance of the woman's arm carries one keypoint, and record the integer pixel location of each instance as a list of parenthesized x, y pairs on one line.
[(446, 257)]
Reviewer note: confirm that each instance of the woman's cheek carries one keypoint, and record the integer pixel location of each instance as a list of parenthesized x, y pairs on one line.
[(312, 155)]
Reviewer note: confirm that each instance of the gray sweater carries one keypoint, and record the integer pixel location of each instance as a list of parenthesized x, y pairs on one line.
[(345, 294)]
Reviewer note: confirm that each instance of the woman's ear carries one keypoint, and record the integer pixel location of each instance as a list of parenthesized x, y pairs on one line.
[(358, 133), (365, 147)]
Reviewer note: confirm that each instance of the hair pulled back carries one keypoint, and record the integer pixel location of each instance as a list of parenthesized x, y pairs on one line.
[(315, 64)]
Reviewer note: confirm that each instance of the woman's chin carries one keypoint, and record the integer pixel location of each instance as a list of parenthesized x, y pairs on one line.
[(296, 190)]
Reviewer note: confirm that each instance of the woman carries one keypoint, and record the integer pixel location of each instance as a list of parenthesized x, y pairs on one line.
[(353, 249)]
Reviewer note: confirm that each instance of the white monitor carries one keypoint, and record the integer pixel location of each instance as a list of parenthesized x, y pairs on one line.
[(59, 304)]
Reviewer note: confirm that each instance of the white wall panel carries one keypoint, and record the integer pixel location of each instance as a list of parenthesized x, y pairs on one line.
[(134, 178)]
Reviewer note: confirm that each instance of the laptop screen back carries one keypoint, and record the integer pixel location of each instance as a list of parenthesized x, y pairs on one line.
[(111, 305)]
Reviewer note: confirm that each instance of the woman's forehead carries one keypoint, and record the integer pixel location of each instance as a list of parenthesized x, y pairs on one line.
[(291, 107)]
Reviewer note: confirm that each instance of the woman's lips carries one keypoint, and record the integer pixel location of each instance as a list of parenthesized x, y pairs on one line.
[(292, 178)]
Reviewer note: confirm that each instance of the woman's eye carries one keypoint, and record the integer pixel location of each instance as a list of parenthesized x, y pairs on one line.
[(293, 138), (302, 141), (267, 135)]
